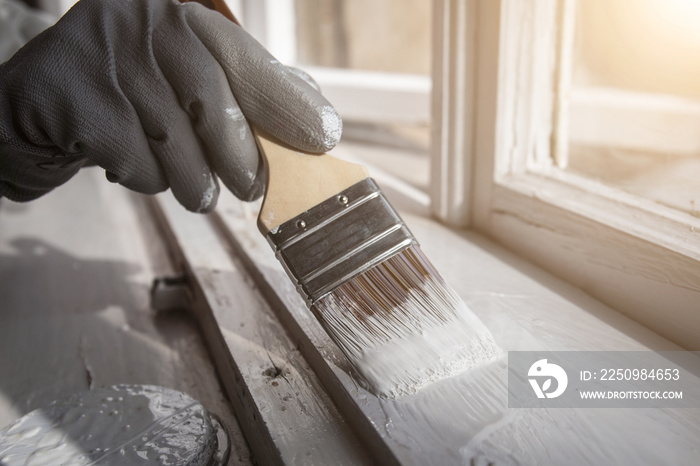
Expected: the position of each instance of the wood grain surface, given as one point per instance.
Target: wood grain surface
(284, 411)
(75, 270)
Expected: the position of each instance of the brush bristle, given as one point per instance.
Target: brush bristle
(401, 326)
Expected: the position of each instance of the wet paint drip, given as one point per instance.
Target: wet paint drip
(136, 425)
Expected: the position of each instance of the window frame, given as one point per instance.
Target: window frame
(498, 120)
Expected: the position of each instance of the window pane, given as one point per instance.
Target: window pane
(634, 108)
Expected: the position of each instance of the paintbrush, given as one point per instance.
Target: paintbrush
(362, 272)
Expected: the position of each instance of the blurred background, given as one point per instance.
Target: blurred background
(635, 98)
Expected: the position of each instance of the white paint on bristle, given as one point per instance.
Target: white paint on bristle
(402, 327)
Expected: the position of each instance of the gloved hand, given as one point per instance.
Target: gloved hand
(157, 93)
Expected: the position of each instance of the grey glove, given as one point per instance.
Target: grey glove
(157, 93)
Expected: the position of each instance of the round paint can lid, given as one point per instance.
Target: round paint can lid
(125, 424)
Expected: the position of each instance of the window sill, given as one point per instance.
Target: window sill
(630, 253)
(251, 315)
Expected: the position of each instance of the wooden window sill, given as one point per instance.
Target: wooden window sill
(260, 332)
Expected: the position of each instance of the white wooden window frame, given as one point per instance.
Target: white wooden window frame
(497, 67)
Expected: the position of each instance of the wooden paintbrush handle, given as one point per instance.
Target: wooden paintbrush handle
(298, 181)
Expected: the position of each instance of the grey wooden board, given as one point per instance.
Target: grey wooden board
(285, 413)
(75, 271)
(465, 420)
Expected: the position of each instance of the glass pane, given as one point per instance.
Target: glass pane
(634, 113)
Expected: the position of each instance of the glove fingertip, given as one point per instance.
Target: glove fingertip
(255, 192)
(332, 125)
(209, 198)
(245, 185)
(199, 199)
(204, 205)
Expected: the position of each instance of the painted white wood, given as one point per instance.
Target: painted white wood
(358, 407)
(621, 249)
(465, 420)
(572, 227)
(284, 413)
(375, 96)
(564, 72)
(526, 85)
(487, 107)
(453, 113)
(608, 117)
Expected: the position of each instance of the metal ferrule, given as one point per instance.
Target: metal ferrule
(342, 237)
